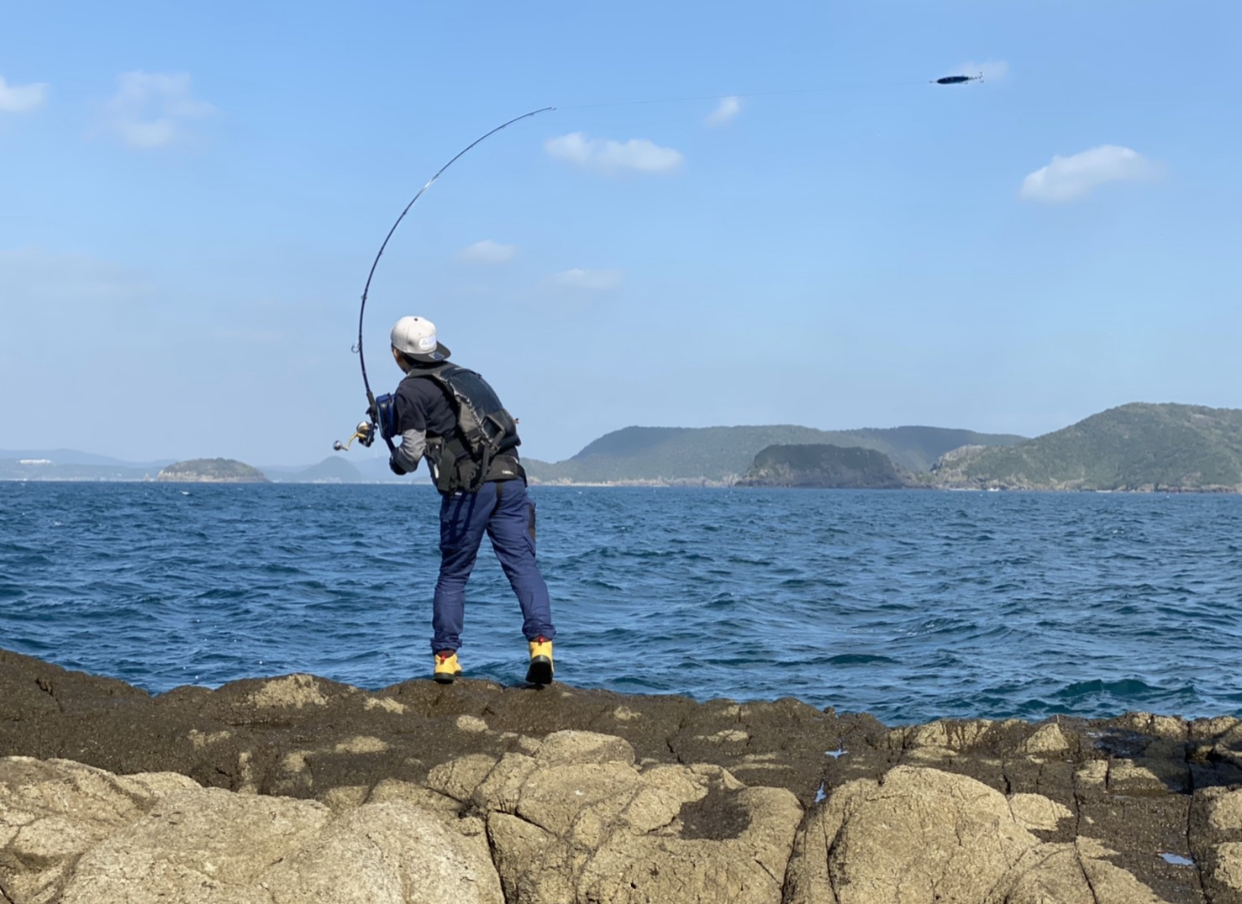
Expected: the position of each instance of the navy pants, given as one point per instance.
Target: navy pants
(503, 511)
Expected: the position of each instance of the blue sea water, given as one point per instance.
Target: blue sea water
(908, 605)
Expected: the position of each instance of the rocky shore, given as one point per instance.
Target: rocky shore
(295, 789)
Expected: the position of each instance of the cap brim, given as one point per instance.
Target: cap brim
(440, 354)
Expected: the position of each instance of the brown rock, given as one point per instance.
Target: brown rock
(72, 834)
(922, 835)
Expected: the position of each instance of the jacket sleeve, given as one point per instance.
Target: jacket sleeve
(410, 452)
(412, 425)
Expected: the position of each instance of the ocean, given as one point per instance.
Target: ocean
(910, 605)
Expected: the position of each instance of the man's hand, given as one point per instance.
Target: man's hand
(394, 467)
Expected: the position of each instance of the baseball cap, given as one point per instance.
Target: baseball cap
(416, 337)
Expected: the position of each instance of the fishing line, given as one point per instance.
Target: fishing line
(702, 97)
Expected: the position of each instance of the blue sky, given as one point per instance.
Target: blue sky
(737, 214)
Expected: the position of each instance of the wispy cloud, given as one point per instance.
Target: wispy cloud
(487, 252)
(589, 280)
(151, 109)
(21, 98)
(36, 275)
(87, 301)
(991, 70)
(725, 110)
(255, 337)
(1069, 178)
(608, 157)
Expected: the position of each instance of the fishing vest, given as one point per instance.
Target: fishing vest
(477, 449)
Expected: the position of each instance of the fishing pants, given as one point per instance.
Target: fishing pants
(502, 510)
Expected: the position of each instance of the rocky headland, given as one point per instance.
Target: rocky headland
(295, 789)
(825, 467)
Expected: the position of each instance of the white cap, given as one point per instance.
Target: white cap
(416, 337)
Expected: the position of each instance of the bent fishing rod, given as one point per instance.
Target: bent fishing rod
(379, 409)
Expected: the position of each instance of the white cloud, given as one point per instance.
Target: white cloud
(21, 98)
(149, 109)
(725, 110)
(589, 280)
(991, 70)
(1067, 178)
(607, 157)
(487, 252)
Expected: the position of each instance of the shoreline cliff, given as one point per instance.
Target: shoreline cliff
(290, 788)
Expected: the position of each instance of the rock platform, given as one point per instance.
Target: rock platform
(295, 789)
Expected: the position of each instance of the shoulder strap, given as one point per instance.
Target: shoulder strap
(436, 373)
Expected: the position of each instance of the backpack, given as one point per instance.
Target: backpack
(484, 429)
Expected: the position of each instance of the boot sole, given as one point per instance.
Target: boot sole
(540, 671)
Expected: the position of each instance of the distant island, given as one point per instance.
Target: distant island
(68, 465)
(211, 470)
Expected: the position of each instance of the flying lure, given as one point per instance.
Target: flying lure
(379, 410)
(958, 79)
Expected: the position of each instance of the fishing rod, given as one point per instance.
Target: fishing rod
(365, 431)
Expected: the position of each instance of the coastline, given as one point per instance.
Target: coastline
(1146, 805)
(673, 483)
(704, 483)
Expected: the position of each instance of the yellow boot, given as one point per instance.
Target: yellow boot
(540, 671)
(447, 668)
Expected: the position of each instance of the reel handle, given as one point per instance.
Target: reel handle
(364, 433)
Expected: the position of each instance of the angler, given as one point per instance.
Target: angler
(452, 417)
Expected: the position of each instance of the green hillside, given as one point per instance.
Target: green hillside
(1133, 447)
(918, 448)
(724, 454)
(333, 469)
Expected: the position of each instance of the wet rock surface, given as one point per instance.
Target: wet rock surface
(294, 788)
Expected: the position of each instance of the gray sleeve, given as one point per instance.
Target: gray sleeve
(410, 452)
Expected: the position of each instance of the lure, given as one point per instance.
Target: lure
(958, 79)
